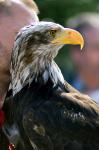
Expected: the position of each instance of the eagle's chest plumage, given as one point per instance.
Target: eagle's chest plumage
(37, 91)
(36, 102)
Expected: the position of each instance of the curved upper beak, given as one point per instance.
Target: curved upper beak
(69, 36)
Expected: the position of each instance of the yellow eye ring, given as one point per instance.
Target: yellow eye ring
(53, 33)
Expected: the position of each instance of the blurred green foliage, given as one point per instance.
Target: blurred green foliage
(60, 11)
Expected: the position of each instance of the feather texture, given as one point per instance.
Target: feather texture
(47, 112)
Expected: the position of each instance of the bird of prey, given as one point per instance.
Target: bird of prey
(46, 112)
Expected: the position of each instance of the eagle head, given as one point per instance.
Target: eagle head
(36, 46)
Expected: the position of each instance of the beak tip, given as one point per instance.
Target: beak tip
(81, 46)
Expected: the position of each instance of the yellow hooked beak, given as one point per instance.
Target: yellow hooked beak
(69, 36)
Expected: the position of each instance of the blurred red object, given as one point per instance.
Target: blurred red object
(11, 147)
(2, 117)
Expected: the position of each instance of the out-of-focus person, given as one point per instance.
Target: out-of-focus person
(86, 62)
(14, 14)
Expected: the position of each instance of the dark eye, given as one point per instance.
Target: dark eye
(53, 33)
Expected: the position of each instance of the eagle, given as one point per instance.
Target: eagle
(44, 111)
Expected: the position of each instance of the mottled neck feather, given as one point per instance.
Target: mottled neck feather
(37, 71)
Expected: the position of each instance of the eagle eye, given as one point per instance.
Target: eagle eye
(53, 33)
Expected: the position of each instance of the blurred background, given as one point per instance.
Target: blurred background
(60, 11)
